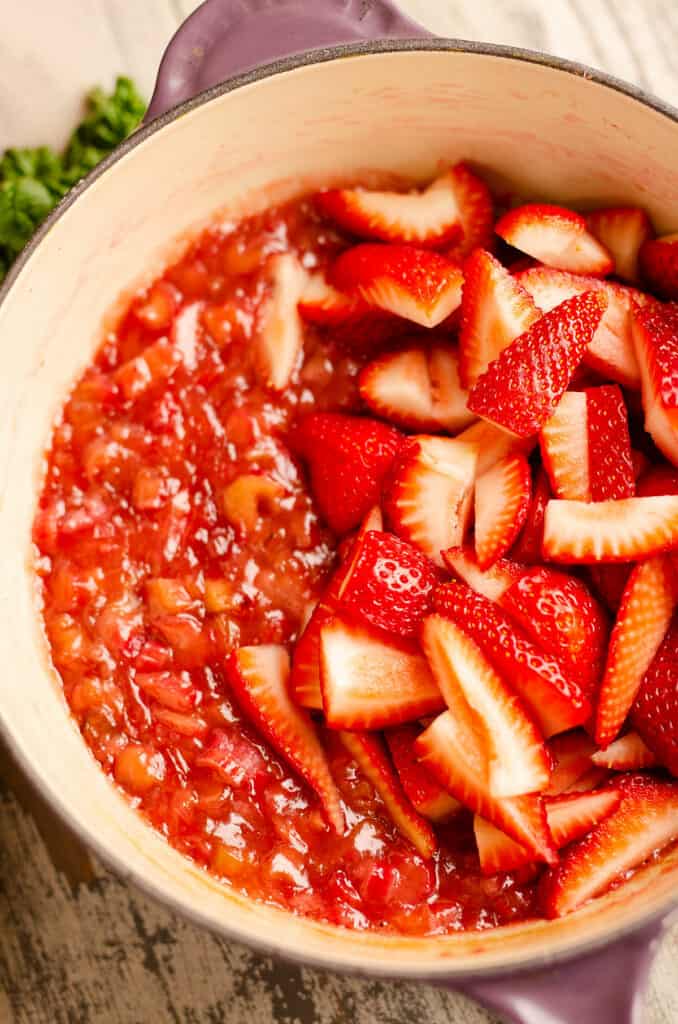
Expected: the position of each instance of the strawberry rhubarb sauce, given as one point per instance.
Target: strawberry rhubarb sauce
(355, 555)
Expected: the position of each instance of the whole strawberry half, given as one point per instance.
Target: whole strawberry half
(655, 711)
(389, 584)
(520, 389)
(560, 614)
(348, 458)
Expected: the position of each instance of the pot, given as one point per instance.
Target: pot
(235, 124)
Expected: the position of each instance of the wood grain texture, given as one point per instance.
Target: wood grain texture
(77, 946)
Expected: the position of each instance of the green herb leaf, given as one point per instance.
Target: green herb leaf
(32, 181)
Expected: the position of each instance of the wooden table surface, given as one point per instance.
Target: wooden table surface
(76, 945)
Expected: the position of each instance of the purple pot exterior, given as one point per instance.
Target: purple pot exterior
(222, 39)
(605, 987)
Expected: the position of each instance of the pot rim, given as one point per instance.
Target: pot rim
(446, 970)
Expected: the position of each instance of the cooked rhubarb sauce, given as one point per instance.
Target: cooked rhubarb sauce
(174, 526)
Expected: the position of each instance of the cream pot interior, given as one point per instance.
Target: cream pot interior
(547, 131)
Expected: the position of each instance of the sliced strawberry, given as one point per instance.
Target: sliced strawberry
(491, 583)
(428, 493)
(641, 625)
(559, 613)
(641, 464)
(388, 584)
(422, 790)
(610, 531)
(527, 549)
(655, 332)
(594, 778)
(611, 351)
(502, 499)
(279, 340)
(628, 753)
(427, 218)
(476, 210)
(355, 325)
(495, 309)
(609, 581)
(554, 700)
(521, 389)
(371, 756)
(661, 479)
(305, 674)
(658, 260)
(655, 710)
(565, 448)
(455, 758)
(571, 755)
(621, 230)
(348, 457)
(611, 473)
(556, 236)
(370, 683)
(259, 678)
(417, 388)
(569, 818)
(645, 821)
(518, 762)
(492, 444)
(324, 306)
(415, 284)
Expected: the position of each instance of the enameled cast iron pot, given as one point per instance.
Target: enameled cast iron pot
(236, 123)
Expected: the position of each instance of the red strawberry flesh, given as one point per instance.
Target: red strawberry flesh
(371, 683)
(348, 458)
(521, 388)
(389, 584)
(555, 700)
(259, 678)
(645, 821)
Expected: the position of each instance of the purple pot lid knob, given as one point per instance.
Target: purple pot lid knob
(226, 37)
(605, 987)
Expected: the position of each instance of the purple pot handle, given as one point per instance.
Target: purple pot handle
(226, 37)
(605, 987)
